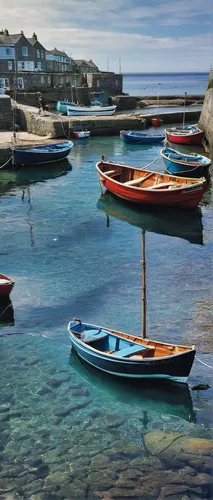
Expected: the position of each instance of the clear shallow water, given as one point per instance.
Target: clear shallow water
(149, 84)
(79, 429)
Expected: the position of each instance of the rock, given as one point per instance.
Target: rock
(163, 443)
(33, 488)
(123, 449)
(142, 104)
(178, 489)
(57, 381)
(4, 417)
(122, 493)
(15, 414)
(200, 387)
(80, 392)
(64, 411)
(4, 408)
(95, 413)
(33, 362)
(114, 421)
(131, 474)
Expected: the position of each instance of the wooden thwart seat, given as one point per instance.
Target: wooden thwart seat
(111, 173)
(134, 182)
(164, 185)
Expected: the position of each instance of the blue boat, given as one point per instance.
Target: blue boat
(61, 106)
(129, 356)
(140, 138)
(186, 165)
(41, 154)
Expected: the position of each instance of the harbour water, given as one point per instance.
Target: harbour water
(166, 84)
(67, 431)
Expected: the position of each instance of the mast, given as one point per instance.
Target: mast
(143, 262)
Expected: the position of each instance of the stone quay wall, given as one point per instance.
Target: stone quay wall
(6, 115)
(206, 120)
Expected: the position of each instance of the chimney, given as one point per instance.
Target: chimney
(6, 32)
(34, 36)
(22, 32)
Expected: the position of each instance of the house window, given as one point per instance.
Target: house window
(67, 79)
(10, 65)
(49, 79)
(65, 67)
(42, 79)
(25, 51)
(62, 67)
(61, 79)
(42, 54)
(4, 83)
(98, 83)
(20, 83)
(38, 54)
(8, 52)
(39, 66)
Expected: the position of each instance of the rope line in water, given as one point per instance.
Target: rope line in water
(150, 162)
(7, 162)
(205, 364)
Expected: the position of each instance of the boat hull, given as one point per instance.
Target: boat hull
(194, 139)
(93, 111)
(183, 170)
(81, 135)
(184, 198)
(175, 368)
(6, 285)
(143, 139)
(186, 165)
(39, 155)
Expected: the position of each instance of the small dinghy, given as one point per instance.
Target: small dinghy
(140, 138)
(81, 134)
(191, 165)
(146, 187)
(90, 110)
(125, 355)
(41, 154)
(189, 134)
(6, 285)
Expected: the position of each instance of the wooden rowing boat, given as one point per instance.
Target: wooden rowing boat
(148, 187)
(185, 135)
(124, 355)
(191, 165)
(6, 285)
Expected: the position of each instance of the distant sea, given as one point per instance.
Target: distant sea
(139, 84)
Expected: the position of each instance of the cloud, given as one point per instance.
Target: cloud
(117, 28)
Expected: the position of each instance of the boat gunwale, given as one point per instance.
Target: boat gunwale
(42, 149)
(197, 182)
(119, 358)
(185, 162)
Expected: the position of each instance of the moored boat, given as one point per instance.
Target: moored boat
(156, 121)
(125, 355)
(149, 187)
(137, 137)
(61, 106)
(90, 110)
(189, 134)
(6, 285)
(191, 165)
(81, 134)
(41, 154)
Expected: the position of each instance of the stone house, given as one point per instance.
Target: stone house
(58, 61)
(106, 82)
(16, 56)
(86, 66)
(39, 51)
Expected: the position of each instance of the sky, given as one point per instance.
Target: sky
(138, 35)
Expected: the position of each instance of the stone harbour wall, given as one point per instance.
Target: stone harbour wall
(6, 116)
(206, 120)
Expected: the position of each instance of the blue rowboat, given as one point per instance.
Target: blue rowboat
(61, 106)
(190, 165)
(124, 355)
(41, 154)
(140, 138)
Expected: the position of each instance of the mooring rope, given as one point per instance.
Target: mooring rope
(205, 364)
(147, 165)
(7, 162)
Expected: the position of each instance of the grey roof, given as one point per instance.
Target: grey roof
(90, 63)
(9, 39)
(57, 52)
(33, 41)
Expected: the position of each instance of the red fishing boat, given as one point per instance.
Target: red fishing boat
(156, 121)
(6, 285)
(185, 135)
(150, 188)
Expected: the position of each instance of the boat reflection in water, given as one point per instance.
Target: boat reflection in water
(32, 174)
(147, 395)
(6, 312)
(186, 224)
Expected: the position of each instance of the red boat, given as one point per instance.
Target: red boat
(185, 135)
(156, 122)
(6, 285)
(150, 188)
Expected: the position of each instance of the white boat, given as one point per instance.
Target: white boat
(81, 134)
(90, 110)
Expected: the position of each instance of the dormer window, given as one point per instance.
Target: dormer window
(38, 54)
(25, 51)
